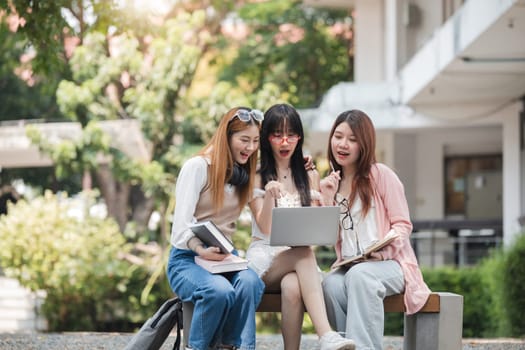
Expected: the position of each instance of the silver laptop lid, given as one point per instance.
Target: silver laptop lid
(300, 226)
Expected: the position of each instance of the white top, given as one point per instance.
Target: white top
(195, 204)
(364, 232)
(191, 180)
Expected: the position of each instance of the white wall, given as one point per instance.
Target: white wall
(512, 173)
(405, 166)
(431, 148)
(369, 46)
(416, 35)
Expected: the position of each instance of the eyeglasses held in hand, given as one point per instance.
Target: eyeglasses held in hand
(346, 221)
(279, 139)
(245, 115)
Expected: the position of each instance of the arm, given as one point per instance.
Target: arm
(190, 182)
(262, 206)
(328, 187)
(314, 180)
(395, 214)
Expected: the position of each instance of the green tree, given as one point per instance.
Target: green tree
(304, 51)
(142, 75)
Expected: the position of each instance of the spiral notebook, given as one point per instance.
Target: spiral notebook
(303, 226)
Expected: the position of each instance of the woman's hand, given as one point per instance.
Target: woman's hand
(210, 253)
(374, 256)
(329, 186)
(309, 163)
(274, 189)
(332, 267)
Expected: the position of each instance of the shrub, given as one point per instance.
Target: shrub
(491, 276)
(74, 258)
(513, 273)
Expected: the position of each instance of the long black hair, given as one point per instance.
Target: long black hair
(277, 118)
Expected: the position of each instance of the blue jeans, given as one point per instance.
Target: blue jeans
(225, 304)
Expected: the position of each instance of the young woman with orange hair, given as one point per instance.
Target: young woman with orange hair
(215, 185)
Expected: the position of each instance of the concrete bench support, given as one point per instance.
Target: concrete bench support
(437, 326)
(436, 330)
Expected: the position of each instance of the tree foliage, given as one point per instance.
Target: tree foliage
(303, 51)
(23, 95)
(125, 66)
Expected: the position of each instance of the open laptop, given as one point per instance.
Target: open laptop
(301, 226)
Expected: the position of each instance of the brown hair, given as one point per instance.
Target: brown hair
(222, 163)
(364, 132)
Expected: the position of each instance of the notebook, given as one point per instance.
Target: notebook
(302, 226)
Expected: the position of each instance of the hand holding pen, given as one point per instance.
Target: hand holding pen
(329, 185)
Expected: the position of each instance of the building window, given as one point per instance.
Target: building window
(465, 173)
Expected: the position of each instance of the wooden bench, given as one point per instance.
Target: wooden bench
(437, 326)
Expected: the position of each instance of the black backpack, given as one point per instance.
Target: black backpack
(156, 330)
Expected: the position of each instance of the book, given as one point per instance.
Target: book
(210, 234)
(230, 263)
(372, 248)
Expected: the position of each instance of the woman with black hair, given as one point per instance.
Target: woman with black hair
(283, 181)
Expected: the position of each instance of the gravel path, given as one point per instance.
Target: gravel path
(115, 341)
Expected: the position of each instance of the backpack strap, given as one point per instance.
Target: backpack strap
(178, 313)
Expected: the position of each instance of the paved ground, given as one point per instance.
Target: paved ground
(115, 341)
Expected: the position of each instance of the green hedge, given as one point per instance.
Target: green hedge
(492, 294)
(78, 260)
(513, 284)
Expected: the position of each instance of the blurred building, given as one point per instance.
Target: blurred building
(444, 82)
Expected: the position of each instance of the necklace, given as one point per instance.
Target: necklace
(287, 174)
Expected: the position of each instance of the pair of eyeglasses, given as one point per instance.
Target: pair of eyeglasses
(245, 115)
(346, 220)
(279, 139)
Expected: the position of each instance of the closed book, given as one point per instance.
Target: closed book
(230, 263)
(372, 248)
(210, 234)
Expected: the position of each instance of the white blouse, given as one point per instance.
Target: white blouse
(363, 233)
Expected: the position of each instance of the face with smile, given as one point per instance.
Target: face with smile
(344, 146)
(244, 143)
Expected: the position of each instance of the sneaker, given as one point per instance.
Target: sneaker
(334, 341)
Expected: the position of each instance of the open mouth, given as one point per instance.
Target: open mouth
(244, 156)
(284, 152)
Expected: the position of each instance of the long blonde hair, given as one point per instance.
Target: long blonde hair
(222, 163)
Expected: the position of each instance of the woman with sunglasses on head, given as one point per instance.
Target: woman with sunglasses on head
(283, 181)
(373, 204)
(215, 185)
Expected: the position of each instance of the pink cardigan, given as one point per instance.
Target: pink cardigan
(392, 214)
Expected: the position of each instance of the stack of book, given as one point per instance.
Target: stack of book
(230, 263)
(212, 236)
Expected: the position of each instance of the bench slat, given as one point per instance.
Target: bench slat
(271, 302)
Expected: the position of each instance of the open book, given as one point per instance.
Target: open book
(212, 236)
(230, 263)
(372, 248)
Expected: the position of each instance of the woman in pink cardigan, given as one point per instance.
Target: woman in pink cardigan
(373, 204)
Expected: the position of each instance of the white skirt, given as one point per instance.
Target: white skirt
(261, 254)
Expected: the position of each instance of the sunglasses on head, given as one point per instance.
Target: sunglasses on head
(245, 115)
